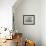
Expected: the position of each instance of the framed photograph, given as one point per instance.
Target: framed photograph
(29, 19)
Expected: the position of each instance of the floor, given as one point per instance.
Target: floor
(9, 43)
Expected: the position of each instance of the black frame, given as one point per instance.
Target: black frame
(28, 16)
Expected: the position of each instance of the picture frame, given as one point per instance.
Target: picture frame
(29, 19)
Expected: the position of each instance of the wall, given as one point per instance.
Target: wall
(28, 7)
(43, 22)
(6, 13)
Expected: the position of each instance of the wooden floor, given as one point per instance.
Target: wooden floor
(9, 43)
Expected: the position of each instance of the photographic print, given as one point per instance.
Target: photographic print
(29, 19)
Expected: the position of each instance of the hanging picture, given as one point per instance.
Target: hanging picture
(29, 19)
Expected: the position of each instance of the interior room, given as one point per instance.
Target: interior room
(22, 23)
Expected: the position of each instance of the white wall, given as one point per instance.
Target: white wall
(6, 13)
(43, 22)
(29, 7)
(36, 32)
